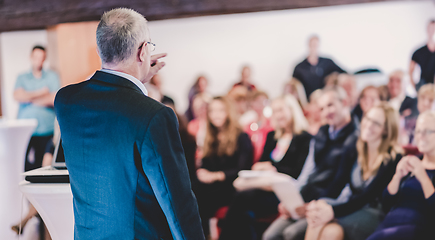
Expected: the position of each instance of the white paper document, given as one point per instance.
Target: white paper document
(286, 190)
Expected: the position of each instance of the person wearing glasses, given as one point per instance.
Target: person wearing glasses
(357, 212)
(410, 194)
(126, 163)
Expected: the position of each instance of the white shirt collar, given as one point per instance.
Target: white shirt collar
(138, 83)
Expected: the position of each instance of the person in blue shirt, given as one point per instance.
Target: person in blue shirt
(35, 91)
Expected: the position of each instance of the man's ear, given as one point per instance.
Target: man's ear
(142, 53)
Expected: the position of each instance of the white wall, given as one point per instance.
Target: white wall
(355, 36)
(15, 58)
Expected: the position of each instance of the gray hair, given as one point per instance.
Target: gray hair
(338, 91)
(119, 34)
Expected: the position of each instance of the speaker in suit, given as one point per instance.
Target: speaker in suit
(127, 168)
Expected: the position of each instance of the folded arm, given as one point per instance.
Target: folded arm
(41, 97)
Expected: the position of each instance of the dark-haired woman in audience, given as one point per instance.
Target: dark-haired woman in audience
(199, 87)
(357, 211)
(410, 194)
(227, 150)
(285, 152)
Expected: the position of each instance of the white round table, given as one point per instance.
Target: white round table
(54, 203)
(14, 138)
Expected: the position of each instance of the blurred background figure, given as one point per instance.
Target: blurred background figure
(425, 58)
(156, 81)
(285, 152)
(409, 197)
(245, 79)
(346, 82)
(153, 92)
(35, 91)
(197, 127)
(294, 87)
(397, 97)
(239, 96)
(312, 113)
(425, 102)
(199, 87)
(369, 97)
(260, 126)
(355, 214)
(312, 71)
(227, 150)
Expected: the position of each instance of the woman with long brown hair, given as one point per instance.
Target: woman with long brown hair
(227, 150)
(358, 212)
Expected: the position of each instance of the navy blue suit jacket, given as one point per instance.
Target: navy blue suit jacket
(127, 168)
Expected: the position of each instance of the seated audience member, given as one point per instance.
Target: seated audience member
(260, 126)
(327, 147)
(384, 93)
(239, 97)
(295, 88)
(245, 79)
(347, 82)
(312, 113)
(369, 97)
(405, 105)
(425, 101)
(197, 127)
(358, 212)
(200, 87)
(227, 150)
(285, 151)
(410, 194)
(156, 81)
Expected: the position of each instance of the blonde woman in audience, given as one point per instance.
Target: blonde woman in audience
(425, 102)
(355, 214)
(285, 151)
(227, 150)
(260, 126)
(410, 194)
(312, 113)
(197, 127)
(369, 97)
(239, 96)
(295, 88)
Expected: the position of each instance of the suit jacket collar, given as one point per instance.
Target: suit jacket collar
(115, 80)
(351, 127)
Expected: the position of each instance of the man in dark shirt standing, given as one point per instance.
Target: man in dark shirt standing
(312, 71)
(425, 58)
